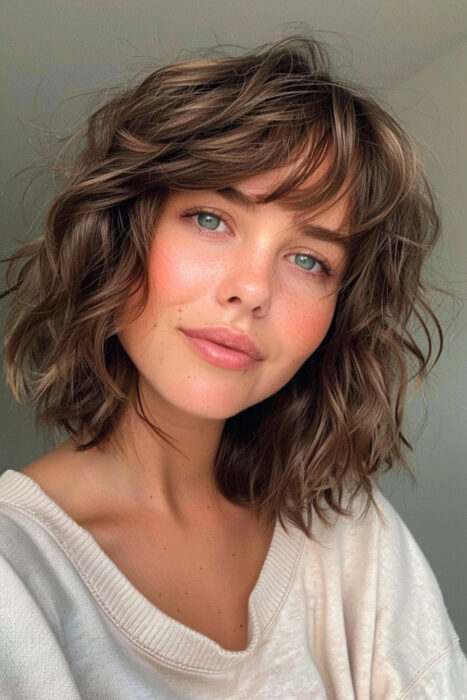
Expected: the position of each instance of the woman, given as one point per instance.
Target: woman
(218, 316)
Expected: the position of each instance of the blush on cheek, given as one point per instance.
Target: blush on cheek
(310, 326)
(181, 273)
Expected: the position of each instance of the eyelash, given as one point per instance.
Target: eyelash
(195, 211)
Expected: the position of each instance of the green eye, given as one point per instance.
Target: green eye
(207, 220)
(308, 262)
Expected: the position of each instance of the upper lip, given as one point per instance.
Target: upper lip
(227, 337)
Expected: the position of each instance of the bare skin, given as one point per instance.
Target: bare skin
(181, 568)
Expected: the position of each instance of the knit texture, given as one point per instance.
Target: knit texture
(355, 614)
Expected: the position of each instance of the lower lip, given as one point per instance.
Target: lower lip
(219, 355)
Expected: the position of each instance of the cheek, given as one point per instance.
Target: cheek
(177, 275)
(298, 333)
(308, 325)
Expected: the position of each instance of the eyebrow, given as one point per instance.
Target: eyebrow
(237, 197)
(310, 230)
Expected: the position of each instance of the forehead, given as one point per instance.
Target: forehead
(268, 181)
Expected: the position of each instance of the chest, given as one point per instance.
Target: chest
(203, 580)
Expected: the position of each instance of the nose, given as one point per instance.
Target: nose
(248, 282)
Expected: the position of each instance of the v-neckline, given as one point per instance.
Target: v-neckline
(136, 617)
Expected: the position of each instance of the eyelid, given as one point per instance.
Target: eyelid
(192, 211)
(196, 209)
(324, 262)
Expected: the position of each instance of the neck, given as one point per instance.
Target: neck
(173, 476)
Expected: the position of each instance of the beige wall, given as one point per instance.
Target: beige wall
(432, 105)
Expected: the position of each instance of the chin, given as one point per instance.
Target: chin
(217, 411)
(191, 399)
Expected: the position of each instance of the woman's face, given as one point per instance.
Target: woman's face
(216, 262)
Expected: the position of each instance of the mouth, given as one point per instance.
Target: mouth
(241, 342)
(219, 354)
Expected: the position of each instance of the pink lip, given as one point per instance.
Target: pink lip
(225, 336)
(223, 347)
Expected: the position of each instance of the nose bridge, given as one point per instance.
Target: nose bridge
(249, 275)
(256, 259)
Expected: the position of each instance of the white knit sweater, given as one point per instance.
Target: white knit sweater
(356, 614)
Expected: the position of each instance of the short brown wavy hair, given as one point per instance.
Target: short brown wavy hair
(202, 123)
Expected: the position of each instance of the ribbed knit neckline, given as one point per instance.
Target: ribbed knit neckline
(159, 635)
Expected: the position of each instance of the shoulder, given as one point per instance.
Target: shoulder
(30, 620)
(69, 478)
(379, 560)
(373, 575)
(25, 538)
(53, 468)
(35, 539)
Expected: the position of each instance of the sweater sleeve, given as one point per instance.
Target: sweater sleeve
(415, 639)
(32, 664)
(443, 677)
(380, 626)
